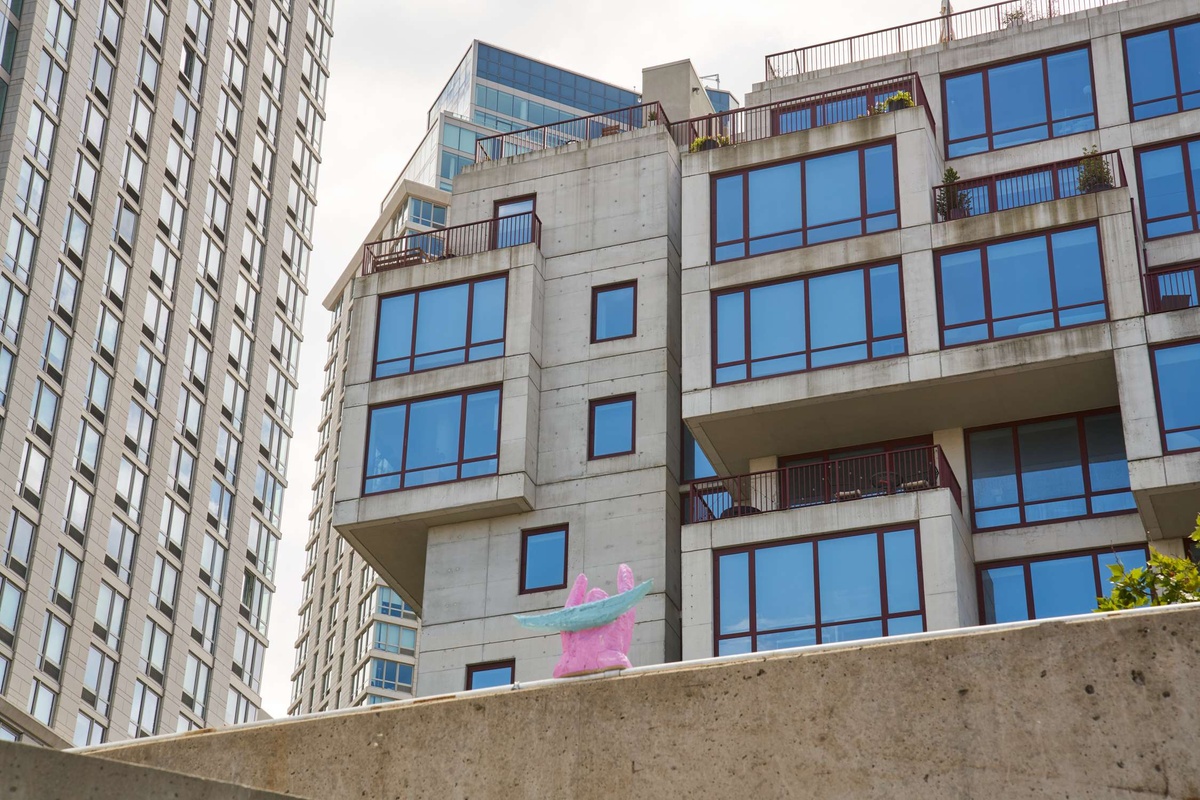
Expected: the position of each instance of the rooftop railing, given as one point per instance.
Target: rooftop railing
(802, 113)
(459, 240)
(579, 129)
(971, 197)
(895, 472)
(1172, 289)
(1009, 15)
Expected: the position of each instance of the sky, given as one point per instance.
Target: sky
(390, 59)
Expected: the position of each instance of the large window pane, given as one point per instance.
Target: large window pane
(1051, 586)
(612, 427)
(1177, 376)
(965, 114)
(777, 573)
(1168, 191)
(775, 204)
(544, 560)
(1164, 70)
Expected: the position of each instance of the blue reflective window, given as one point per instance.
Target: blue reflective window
(433, 440)
(614, 311)
(695, 464)
(486, 676)
(1019, 102)
(611, 428)
(1169, 177)
(799, 203)
(1177, 381)
(389, 603)
(552, 83)
(514, 222)
(440, 326)
(831, 589)
(1064, 468)
(1164, 71)
(1051, 586)
(391, 675)
(791, 326)
(1021, 286)
(544, 559)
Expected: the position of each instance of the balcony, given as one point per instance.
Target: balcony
(1172, 289)
(579, 129)
(801, 113)
(837, 481)
(444, 243)
(972, 197)
(926, 33)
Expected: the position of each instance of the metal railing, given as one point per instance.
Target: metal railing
(443, 243)
(971, 197)
(1172, 289)
(579, 129)
(801, 113)
(1009, 15)
(837, 481)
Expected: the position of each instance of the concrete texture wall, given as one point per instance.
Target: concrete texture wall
(1104, 706)
(35, 773)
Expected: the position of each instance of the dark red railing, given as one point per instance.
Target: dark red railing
(800, 113)
(971, 197)
(838, 481)
(460, 240)
(1172, 289)
(1009, 15)
(579, 129)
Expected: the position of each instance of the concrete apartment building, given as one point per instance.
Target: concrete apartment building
(358, 640)
(766, 358)
(160, 166)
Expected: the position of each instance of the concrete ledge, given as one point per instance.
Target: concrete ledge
(1096, 706)
(28, 772)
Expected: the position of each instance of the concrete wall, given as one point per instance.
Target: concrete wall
(35, 773)
(1098, 706)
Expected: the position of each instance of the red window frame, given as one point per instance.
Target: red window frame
(485, 666)
(804, 228)
(1193, 212)
(1088, 494)
(1162, 424)
(528, 533)
(989, 320)
(753, 633)
(416, 292)
(606, 401)
(1178, 96)
(464, 394)
(497, 220)
(989, 129)
(610, 287)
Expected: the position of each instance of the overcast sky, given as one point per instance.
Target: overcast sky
(390, 60)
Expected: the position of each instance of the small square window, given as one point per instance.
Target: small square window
(493, 673)
(544, 559)
(611, 427)
(614, 311)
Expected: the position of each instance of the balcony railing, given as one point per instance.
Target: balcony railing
(579, 129)
(971, 197)
(838, 481)
(1009, 15)
(799, 113)
(460, 240)
(1172, 289)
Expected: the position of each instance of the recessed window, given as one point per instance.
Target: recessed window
(544, 559)
(1018, 102)
(1164, 71)
(832, 589)
(611, 427)
(614, 311)
(433, 440)
(1021, 286)
(1062, 468)
(799, 203)
(797, 325)
(1168, 187)
(514, 221)
(493, 673)
(440, 326)
(1051, 586)
(1177, 381)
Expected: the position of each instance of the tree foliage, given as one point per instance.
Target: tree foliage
(1164, 580)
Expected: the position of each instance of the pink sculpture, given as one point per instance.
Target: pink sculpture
(596, 629)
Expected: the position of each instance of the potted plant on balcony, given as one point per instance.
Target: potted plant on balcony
(708, 143)
(1015, 17)
(1094, 173)
(652, 115)
(952, 202)
(898, 100)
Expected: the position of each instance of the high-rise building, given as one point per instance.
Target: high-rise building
(358, 639)
(159, 171)
(908, 343)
